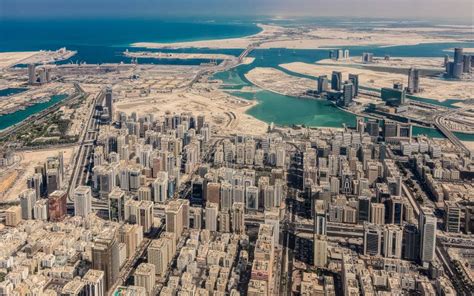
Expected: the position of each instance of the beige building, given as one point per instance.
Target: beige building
(145, 277)
(13, 216)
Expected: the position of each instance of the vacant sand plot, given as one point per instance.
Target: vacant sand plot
(437, 89)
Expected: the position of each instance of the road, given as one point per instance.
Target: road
(86, 145)
(450, 135)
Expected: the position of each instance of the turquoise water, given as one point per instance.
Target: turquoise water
(11, 91)
(18, 116)
(105, 40)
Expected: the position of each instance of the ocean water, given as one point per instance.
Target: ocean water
(104, 41)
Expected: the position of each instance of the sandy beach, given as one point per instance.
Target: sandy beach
(433, 88)
(243, 42)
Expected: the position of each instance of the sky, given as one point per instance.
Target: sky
(402, 9)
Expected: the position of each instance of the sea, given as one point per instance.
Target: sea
(104, 41)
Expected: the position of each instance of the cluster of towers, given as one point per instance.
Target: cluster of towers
(462, 63)
(44, 75)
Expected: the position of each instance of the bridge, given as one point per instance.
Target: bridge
(450, 135)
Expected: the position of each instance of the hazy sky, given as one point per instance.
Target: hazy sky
(462, 9)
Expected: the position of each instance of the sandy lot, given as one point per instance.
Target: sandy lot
(437, 89)
(8, 59)
(29, 159)
(274, 36)
(393, 62)
(225, 112)
(280, 82)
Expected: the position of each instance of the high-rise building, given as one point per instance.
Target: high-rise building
(109, 103)
(238, 218)
(174, 218)
(31, 74)
(411, 242)
(320, 245)
(336, 80)
(160, 187)
(13, 216)
(372, 239)
(364, 209)
(354, 79)
(57, 205)
(117, 205)
(469, 220)
(319, 218)
(413, 81)
(145, 277)
(27, 202)
(392, 241)
(272, 217)
(347, 94)
(427, 226)
(226, 196)
(82, 201)
(212, 210)
(94, 280)
(323, 83)
(377, 213)
(213, 192)
(251, 198)
(160, 254)
(105, 257)
(392, 96)
(452, 217)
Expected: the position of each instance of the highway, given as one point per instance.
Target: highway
(450, 135)
(86, 145)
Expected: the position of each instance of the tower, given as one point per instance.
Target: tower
(82, 201)
(413, 81)
(427, 226)
(109, 103)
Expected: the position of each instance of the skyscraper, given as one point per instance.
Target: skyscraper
(354, 78)
(347, 94)
(109, 103)
(105, 256)
(57, 205)
(322, 84)
(427, 226)
(452, 218)
(336, 80)
(31, 74)
(238, 218)
(392, 241)
(211, 216)
(27, 202)
(82, 201)
(364, 209)
(413, 81)
(372, 239)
